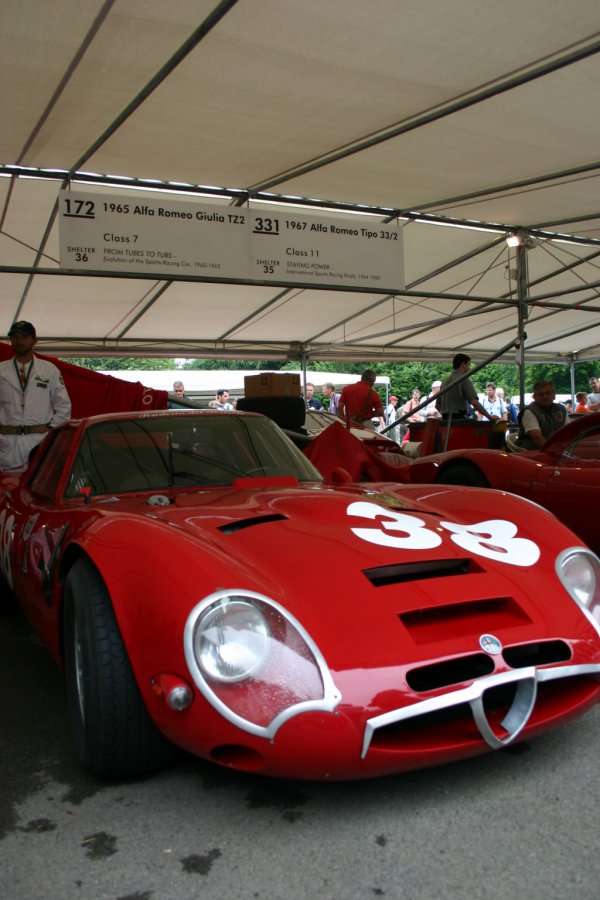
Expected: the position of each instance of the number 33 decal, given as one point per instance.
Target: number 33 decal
(494, 538)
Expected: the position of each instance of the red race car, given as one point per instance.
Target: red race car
(202, 587)
(564, 477)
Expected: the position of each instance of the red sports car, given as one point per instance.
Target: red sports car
(564, 477)
(202, 587)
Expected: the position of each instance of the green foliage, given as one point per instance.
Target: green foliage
(233, 364)
(120, 363)
(404, 376)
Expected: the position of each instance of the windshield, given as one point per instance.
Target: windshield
(183, 450)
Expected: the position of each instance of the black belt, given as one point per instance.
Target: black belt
(24, 429)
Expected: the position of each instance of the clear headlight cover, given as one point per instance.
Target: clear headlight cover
(231, 641)
(579, 571)
(254, 662)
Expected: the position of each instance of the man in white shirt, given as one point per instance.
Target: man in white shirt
(222, 401)
(431, 411)
(493, 404)
(33, 398)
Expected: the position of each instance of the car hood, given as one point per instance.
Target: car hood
(378, 574)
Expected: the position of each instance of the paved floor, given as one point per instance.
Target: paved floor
(511, 824)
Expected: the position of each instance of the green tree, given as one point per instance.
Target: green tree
(119, 363)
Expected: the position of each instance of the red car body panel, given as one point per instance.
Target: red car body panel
(564, 477)
(409, 581)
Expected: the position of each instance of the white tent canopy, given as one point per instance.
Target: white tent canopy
(472, 113)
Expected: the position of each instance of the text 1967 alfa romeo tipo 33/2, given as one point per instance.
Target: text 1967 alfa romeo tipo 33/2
(202, 587)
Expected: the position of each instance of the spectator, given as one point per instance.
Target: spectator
(391, 414)
(333, 397)
(541, 418)
(414, 401)
(33, 398)
(493, 404)
(582, 399)
(593, 402)
(222, 401)
(312, 402)
(456, 396)
(178, 389)
(512, 410)
(360, 403)
(431, 411)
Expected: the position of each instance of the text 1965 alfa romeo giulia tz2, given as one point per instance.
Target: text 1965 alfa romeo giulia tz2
(202, 587)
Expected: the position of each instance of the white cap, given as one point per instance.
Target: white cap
(436, 384)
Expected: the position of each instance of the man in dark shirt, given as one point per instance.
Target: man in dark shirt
(454, 399)
(541, 418)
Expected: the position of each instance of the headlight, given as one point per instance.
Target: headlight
(579, 572)
(231, 641)
(254, 662)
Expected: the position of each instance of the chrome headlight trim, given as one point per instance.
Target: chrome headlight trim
(327, 703)
(584, 553)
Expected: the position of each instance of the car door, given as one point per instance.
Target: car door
(570, 488)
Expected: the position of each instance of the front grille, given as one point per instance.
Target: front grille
(540, 653)
(452, 671)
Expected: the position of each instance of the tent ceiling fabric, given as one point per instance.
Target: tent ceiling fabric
(472, 111)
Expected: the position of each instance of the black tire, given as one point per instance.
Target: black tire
(113, 732)
(8, 601)
(463, 473)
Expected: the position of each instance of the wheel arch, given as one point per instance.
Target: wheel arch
(462, 464)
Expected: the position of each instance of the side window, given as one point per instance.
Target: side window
(47, 475)
(585, 448)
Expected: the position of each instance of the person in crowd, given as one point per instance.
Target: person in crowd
(457, 394)
(312, 402)
(512, 410)
(414, 401)
(593, 401)
(582, 400)
(493, 404)
(33, 398)
(541, 418)
(179, 389)
(431, 411)
(330, 393)
(360, 403)
(569, 406)
(391, 414)
(221, 401)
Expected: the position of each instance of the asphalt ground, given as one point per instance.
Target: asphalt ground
(519, 824)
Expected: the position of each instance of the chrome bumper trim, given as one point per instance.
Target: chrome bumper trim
(526, 681)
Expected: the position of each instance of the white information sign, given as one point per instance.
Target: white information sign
(326, 251)
(110, 233)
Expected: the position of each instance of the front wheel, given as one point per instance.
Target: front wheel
(114, 734)
(463, 474)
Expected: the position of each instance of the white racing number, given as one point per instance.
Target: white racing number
(494, 538)
(399, 529)
(6, 531)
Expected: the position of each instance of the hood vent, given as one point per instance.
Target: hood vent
(232, 527)
(416, 571)
(453, 621)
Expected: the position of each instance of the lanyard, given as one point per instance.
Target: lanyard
(23, 373)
